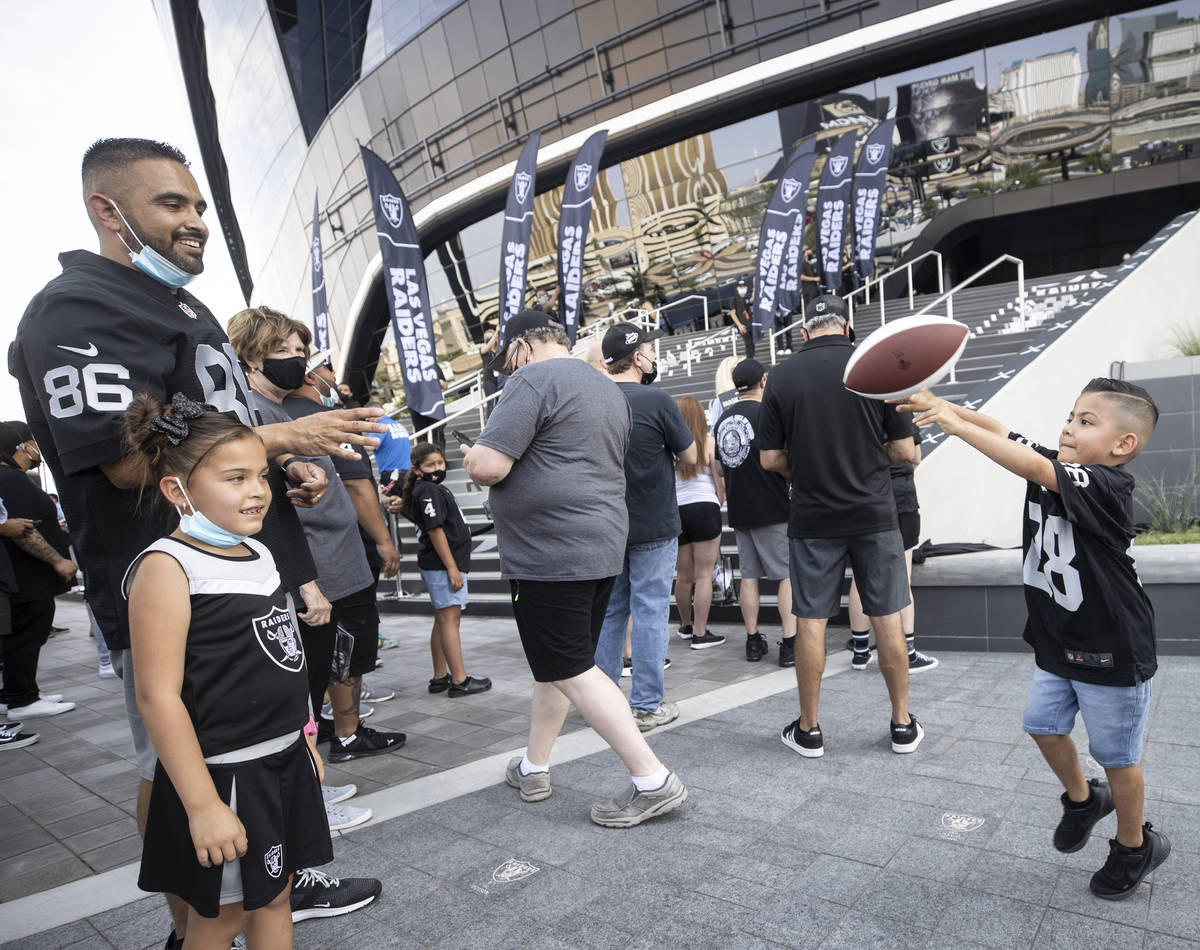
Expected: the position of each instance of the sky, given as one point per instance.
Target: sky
(74, 71)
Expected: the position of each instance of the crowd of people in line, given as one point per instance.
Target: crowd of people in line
(228, 523)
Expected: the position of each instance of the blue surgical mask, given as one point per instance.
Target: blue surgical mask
(199, 526)
(153, 264)
(330, 402)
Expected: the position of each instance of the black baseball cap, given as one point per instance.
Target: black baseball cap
(746, 374)
(826, 305)
(12, 434)
(517, 326)
(621, 339)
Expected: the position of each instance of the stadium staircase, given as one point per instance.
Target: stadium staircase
(991, 311)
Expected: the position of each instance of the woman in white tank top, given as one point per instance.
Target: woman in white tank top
(699, 492)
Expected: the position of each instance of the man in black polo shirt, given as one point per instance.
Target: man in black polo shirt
(758, 511)
(836, 447)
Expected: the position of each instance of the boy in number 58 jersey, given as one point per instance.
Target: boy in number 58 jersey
(1090, 623)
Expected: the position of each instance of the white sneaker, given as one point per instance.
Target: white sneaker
(48, 697)
(43, 707)
(364, 711)
(338, 793)
(106, 670)
(345, 816)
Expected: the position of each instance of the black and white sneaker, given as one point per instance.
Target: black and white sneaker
(809, 744)
(11, 737)
(684, 632)
(756, 647)
(702, 641)
(860, 661)
(787, 651)
(906, 737)
(1127, 867)
(362, 743)
(1078, 820)
(918, 661)
(315, 894)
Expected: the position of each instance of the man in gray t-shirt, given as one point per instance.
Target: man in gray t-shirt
(553, 452)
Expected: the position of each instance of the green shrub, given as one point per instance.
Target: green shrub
(1186, 341)
(1171, 508)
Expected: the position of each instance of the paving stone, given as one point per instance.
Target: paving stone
(857, 930)
(1071, 894)
(938, 860)
(77, 933)
(991, 920)
(1174, 911)
(1010, 876)
(1065, 931)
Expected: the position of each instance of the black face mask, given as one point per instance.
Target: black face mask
(648, 378)
(437, 476)
(285, 373)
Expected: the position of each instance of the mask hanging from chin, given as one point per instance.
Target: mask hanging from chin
(200, 527)
(153, 264)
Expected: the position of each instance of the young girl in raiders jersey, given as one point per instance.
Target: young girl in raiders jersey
(444, 559)
(236, 805)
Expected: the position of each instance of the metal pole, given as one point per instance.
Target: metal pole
(910, 287)
(1021, 291)
(771, 338)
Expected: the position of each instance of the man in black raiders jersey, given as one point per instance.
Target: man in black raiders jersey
(1090, 624)
(118, 323)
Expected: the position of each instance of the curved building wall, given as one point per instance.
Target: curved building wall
(701, 99)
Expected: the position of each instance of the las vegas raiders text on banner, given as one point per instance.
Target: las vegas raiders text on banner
(514, 238)
(833, 209)
(407, 293)
(870, 179)
(320, 311)
(573, 227)
(777, 273)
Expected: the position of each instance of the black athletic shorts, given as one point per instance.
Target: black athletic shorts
(278, 801)
(559, 624)
(910, 529)
(699, 521)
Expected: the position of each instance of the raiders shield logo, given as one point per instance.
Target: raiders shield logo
(875, 152)
(276, 635)
(838, 163)
(317, 253)
(953, 821)
(942, 165)
(273, 859)
(521, 186)
(513, 870)
(788, 189)
(941, 144)
(583, 175)
(733, 440)
(393, 209)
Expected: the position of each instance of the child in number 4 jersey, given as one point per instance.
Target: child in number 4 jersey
(1090, 623)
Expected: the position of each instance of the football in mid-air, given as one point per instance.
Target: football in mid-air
(905, 356)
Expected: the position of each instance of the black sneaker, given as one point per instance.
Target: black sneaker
(324, 730)
(787, 651)
(11, 737)
(906, 738)
(315, 894)
(702, 641)
(918, 662)
(1125, 867)
(470, 686)
(809, 744)
(365, 741)
(685, 632)
(1077, 823)
(756, 647)
(439, 684)
(860, 661)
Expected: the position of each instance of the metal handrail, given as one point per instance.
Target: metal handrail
(692, 343)
(879, 281)
(667, 306)
(772, 337)
(948, 296)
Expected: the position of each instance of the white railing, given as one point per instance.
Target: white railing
(708, 340)
(878, 282)
(675, 303)
(790, 328)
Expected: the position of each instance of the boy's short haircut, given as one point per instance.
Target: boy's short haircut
(1136, 407)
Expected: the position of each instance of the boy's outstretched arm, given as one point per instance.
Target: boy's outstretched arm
(981, 432)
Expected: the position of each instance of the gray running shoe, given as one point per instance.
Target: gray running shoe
(634, 807)
(648, 719)
(534, 787)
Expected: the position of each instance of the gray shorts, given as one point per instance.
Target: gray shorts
(819, 566)
(763, 551)
(143, 748)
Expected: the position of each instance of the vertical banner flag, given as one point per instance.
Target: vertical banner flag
(573, 222)
(514, 238)
(407, 293)
(777, 280)
(833, 209)
(870, 179)
(320, 311)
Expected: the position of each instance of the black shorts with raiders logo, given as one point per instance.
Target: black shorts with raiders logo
(278, 801)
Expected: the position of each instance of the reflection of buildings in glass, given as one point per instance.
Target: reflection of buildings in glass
(1045, 84)
(1098, 58)
(1156, 81)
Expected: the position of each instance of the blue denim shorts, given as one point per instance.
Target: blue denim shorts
(438, 585)
(1114, 716)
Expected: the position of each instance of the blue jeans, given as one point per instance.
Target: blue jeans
(643, 588)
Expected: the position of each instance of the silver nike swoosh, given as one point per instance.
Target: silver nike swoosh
(89, 350)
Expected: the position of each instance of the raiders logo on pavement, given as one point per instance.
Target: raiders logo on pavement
(277, 636)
